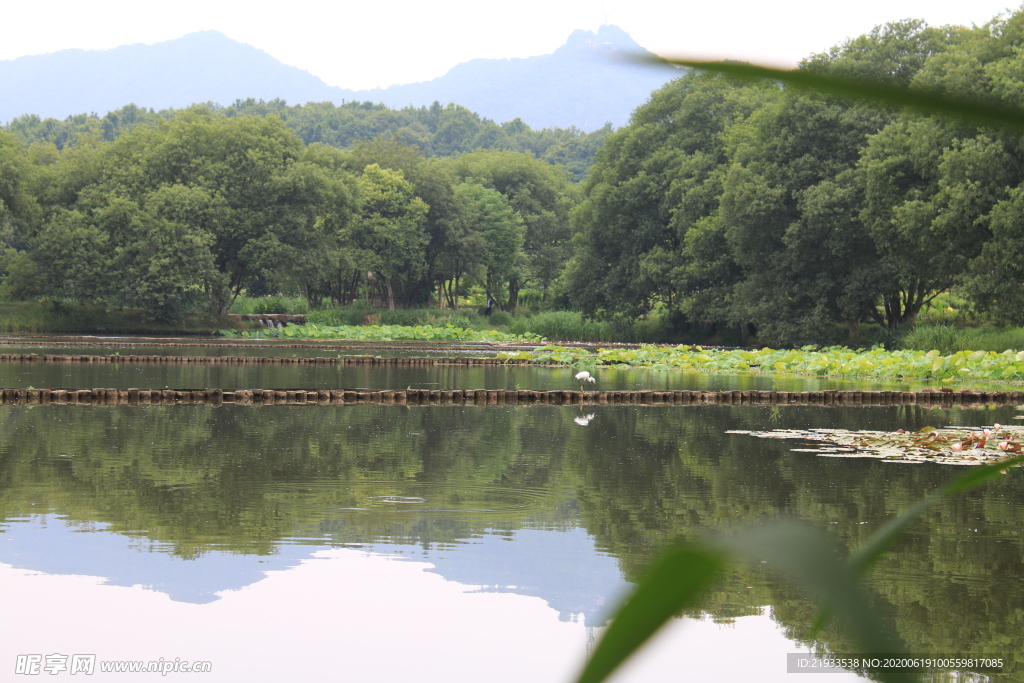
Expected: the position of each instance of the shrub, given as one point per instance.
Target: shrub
(563, 326)
(269, 304)
(500, 318)
(353, 314)
(948, 339)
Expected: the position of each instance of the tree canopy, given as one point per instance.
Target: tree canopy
(190, 211)
(793, 213)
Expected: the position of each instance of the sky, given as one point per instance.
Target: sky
(360, 45)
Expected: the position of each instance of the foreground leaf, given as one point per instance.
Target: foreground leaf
(963, 109)
(675, 583)
(814, 561)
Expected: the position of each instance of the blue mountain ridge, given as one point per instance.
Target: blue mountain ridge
(583, 83)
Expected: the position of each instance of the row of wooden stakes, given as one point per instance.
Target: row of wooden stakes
(492, 397)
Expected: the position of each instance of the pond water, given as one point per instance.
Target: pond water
(457, 543)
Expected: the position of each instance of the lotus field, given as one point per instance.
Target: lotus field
(838, 362)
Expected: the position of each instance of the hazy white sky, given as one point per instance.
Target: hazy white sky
(375, 44)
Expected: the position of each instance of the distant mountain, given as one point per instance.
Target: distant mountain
(580, 84)
(584, 83)
(199, 67)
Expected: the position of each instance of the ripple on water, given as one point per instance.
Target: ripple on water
(400, 500)
(413, 497)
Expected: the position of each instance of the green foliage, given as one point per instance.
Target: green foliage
(389, 229)
(500, 318)
(436, 130)
(563, 326)
(353, 314)
(654, 185)
(362, 313)
(189, 211)
(492, 223)
(269, 304)
(542, 195)
(191, 208)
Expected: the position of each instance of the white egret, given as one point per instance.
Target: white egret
(582, 377)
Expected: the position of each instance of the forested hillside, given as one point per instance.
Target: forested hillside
(744, 204)
(435, 130)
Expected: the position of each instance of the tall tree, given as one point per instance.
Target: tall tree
(500, 231)
(645, 235)
(542, 194)
(803, 271)
(390, 229)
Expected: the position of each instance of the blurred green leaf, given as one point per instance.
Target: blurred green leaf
(967, 110)
(675, 583)
(815, 561)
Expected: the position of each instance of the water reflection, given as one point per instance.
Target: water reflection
(56, 546)
(202, 504)
(346, 614)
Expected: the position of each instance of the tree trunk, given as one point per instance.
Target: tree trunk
(513, 293)
(852, 328)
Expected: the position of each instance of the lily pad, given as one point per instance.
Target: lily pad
(949, 446)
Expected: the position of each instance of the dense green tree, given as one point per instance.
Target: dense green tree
(19, 211)
(434, 184)
(542, 194)
(18, 206)
(940, 195)
(995, 279)
(389, 228)
(644, 234)
(500, 231)
(194, 208)
(791, 209)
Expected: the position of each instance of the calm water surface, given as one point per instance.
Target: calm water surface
(448, 543)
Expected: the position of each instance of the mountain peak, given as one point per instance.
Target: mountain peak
(607, 38)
